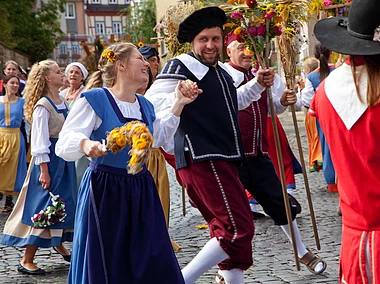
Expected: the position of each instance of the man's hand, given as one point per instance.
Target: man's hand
(288, 97)
(265, 77)
(187, 91)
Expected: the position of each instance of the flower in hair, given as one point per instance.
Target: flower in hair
(109, 55)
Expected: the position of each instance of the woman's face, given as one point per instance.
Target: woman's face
(75, 76)
(11, 87)
(10, 69)
(55, 76)
(138, 68)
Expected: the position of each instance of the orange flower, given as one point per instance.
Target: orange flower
(140, 144)
(121, 141)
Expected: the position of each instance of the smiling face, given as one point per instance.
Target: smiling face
(236, 53)
(207, 45)
(10, 69)
(153, 65)
(138, 68)
(75, 76)
(11, 86)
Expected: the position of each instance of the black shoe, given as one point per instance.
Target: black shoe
(66, 257)
(294, 203)
(22, 269)
(257, 215)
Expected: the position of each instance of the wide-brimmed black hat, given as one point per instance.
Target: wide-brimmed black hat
(359, 34)
(201, 19)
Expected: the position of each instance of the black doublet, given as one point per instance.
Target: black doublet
(209, 126)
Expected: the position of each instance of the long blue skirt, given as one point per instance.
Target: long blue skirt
(120, 232)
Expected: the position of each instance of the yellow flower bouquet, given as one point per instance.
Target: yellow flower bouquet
(137, 135)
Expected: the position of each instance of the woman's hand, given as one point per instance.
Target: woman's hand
(44, 176)
(92, 149)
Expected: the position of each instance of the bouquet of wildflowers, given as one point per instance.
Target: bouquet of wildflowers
(53, 214)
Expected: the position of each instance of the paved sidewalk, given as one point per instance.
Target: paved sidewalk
(273, 256)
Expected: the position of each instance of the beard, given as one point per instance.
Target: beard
(208, 60)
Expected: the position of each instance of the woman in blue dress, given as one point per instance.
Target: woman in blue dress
(12, 143)
(120, 230)
(46, 111)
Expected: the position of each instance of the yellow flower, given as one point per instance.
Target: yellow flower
(248, 52)
(140, 44)
(121, 141)
(237, 31)
(229, 25)
(204, 226)
(134, 160)
(109, 55)
(140, 144)
(141, 129)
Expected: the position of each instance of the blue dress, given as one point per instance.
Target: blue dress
(12, 147)
(120, 231)
(19, 230)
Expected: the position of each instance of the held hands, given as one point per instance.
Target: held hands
(265, 77)
(187, 91)
(288, 97)
(92, 149)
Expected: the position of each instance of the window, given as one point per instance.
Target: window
(117, 28)
(100, 28)
(70, 11)
(95, 1)
(62, 48)
(75, 49)
(113, 1)
(127, 1)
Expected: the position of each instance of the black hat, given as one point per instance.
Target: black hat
(148, 51)
(359, 34)
(201, 19)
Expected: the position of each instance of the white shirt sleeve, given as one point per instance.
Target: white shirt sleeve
(278, 89)
(40, 138)
(307, 93)
(79, 124)
(164, 128)
(162, 93)
(249, 92)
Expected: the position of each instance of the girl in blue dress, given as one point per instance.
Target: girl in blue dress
(120, 230)
(46, 111)
(12, 143)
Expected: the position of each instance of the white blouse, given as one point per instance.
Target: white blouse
(40, 136)
(82, 121)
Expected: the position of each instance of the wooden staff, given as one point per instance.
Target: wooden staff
(183, 200)
(279, 154)
(305, 178)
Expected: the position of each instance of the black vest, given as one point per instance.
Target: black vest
(209, 126)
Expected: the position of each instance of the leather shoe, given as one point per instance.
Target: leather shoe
(38, 271)
(257, 215)
(66, 257)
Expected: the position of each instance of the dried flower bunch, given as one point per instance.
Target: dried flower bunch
(168, 27)
(137, 135)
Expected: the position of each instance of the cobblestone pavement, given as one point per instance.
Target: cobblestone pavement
(272, 252)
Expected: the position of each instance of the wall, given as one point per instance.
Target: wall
(9, 54)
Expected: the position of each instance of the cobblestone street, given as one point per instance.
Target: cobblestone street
(272, 252)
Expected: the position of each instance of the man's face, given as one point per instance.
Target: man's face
(207, 45)
(153, 65)
(237, 56)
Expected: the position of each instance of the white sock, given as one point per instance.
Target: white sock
(233, 276)
(290, 191)
(254, 208)
(301, 249)
(210, 255)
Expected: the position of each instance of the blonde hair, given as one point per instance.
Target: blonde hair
(311, 63)
(10, 62)
(107, 71)
(36, 86)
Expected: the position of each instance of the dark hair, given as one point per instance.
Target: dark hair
(372, 64)
(323, 55)
(5, 81)
(150, 82)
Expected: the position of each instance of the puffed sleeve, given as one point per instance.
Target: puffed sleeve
(80, 123)
(40, 135)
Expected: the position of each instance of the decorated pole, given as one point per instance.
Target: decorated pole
(286, 50)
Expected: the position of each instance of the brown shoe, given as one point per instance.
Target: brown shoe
(310, 260)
